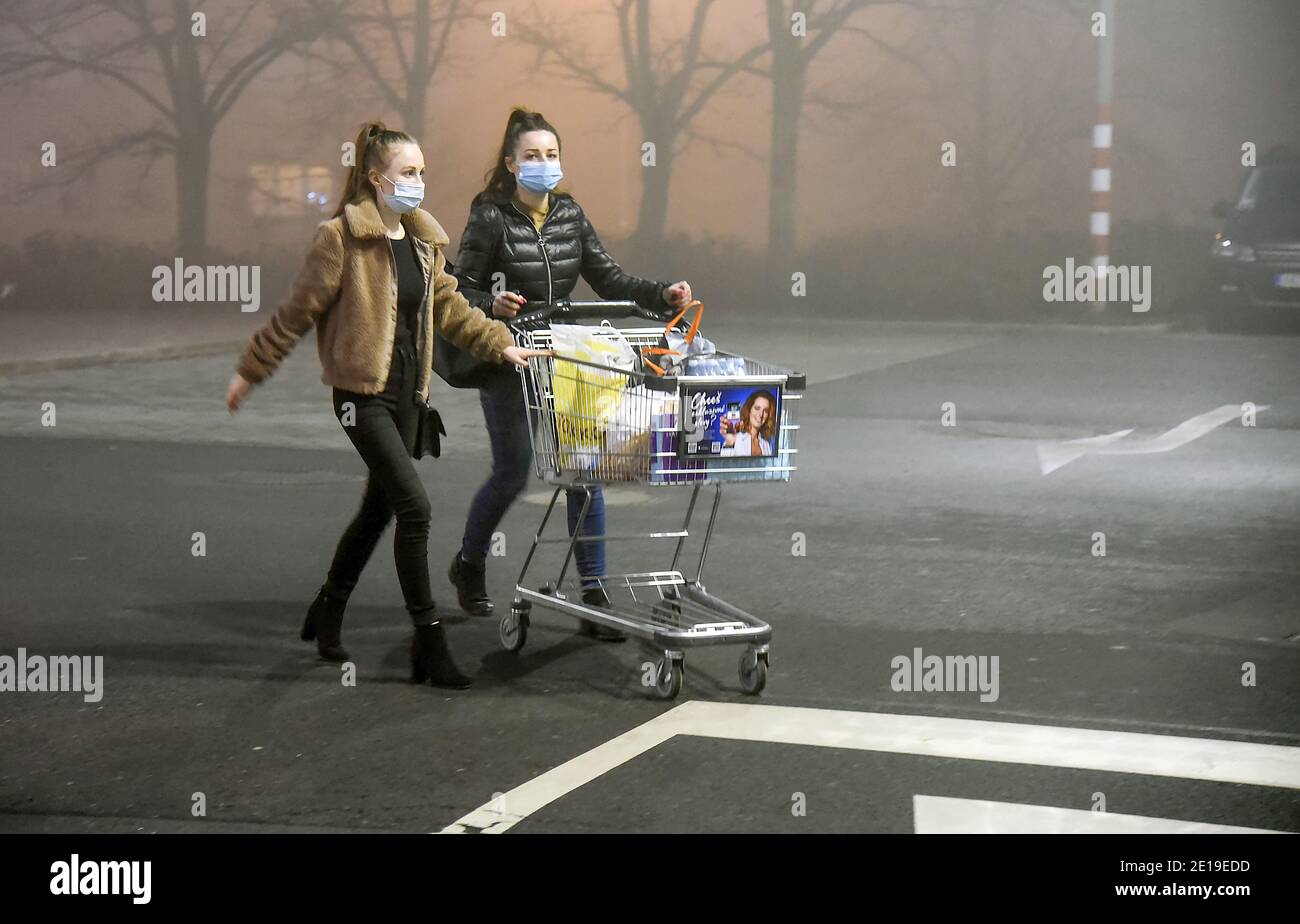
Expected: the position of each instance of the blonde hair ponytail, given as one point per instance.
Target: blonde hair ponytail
(373, 146)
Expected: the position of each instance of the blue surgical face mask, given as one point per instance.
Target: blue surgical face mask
(540, 176)
(406, 197)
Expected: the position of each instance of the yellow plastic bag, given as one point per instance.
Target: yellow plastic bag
(587, 398)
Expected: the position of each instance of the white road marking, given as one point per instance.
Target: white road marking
(1052, 456)
(944, 815)
(520, 802)
(1002, 742)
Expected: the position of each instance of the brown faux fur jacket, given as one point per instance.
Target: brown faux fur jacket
(347, 288)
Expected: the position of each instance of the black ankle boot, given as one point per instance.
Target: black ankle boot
(596, 596)
(324, 624)
(470, 582)
(431, 659)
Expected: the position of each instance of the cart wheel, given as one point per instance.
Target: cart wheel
(513, 629)
(753, 672)
(668, 677)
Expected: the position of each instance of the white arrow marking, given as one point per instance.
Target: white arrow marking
(1052, 456)
(945, 815)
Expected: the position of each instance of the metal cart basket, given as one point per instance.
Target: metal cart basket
(590, 425)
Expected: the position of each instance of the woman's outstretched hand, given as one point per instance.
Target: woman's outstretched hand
(237, 392)
(519, 356)
(679, 294)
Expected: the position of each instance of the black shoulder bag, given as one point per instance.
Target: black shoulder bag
(428, 432)
(459, 368)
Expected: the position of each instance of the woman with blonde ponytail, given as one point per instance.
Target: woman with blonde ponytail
(375, 288)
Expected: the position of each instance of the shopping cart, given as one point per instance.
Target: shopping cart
(649, 440)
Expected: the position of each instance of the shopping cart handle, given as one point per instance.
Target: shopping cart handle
(564, 310)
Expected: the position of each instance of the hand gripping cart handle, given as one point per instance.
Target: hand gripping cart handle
(591, 425)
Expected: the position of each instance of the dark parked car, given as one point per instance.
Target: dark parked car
(1256, 252)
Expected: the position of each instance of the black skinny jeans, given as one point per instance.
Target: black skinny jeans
(384, 435)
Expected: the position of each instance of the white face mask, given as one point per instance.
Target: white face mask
(406, 197)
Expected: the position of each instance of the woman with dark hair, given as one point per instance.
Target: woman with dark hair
(527, 241)
(374, 285)
(753, 434)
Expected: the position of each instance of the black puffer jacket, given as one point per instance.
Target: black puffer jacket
(542, 266)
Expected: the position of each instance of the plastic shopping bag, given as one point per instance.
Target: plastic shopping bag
(689, 352)
(669, 356)
(627, 422)
(628, 436)
(690, 349)
(587, 397)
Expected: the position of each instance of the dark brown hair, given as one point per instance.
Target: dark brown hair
(769, 425)
(499, 181)
(374, 146)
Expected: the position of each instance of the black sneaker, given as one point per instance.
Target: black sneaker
(596, 596)
(471, 586)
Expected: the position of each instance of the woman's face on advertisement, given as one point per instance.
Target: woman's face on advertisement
(539, 146)
(758, 413)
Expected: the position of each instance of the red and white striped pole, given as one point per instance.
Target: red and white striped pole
(1099, 217)
(1102, 136)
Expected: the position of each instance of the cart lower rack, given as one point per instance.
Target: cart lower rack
(591, 424)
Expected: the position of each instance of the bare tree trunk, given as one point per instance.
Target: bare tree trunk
(985, 199)
(194, 129)
(418, 86)
(652, 214)
(783, 168)
(984, 194)
(193, 166)
(792, 56)
(188, 97)
(666, 91)
(400, 49)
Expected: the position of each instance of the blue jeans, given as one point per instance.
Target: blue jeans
(512, 459)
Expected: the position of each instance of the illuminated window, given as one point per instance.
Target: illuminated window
(288, 190)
